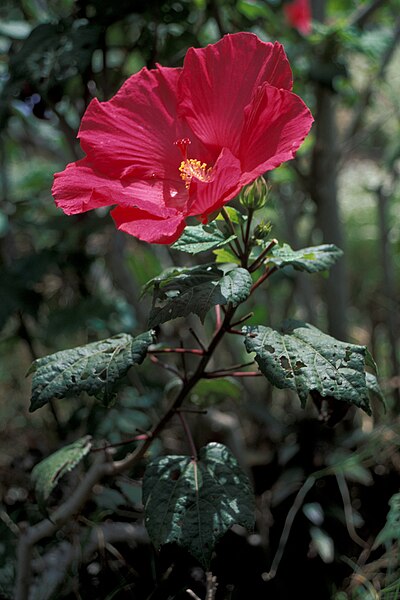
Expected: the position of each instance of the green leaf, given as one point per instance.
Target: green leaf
(303, 359)
(374, 388)
(208, 392)
(200, 238)
(234, 215)
(197, 289)
(95, 369)
(391, 531)
(225, 255)
(312, 260)
(194, 503)
(48, 472)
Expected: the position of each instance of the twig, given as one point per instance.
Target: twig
(188, 433)
(198, 340)
(102, 467)
(216, 375)
(46, 528)
(235, 332)
(192, 594)
(183, 361)
(137, 438)
(348, 511)
(217, 316)
(188, 409)
(176, 351)
(258, 261)
(243, 319)
(232, 368)
(166, 366)
(211, 586)
(261, 280)
(297, 504)
(363, 13)
(232, 230)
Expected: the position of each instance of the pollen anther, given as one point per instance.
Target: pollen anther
(192, 168)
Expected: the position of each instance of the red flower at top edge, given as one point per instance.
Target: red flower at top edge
(180, 142)
(298, 15)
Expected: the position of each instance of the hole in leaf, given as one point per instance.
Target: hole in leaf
(299, 365)
(270, 349)
(284, 363)
(175, 474)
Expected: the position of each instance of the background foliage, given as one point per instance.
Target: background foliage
(69, 281)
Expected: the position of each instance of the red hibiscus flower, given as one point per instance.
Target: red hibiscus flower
(298, 15)
(174, 143)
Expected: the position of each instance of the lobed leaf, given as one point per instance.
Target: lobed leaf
(312, 260)
(200, 238)
(303, 359)
(48, 472)
(194, 502)
(179, 292)
(95, 369)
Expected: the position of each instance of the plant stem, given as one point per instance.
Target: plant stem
(105, 466)
(243, 319)
(176, 351)
(218, 374)
(131, 459)
(189, 436)
(232, 230)
(259, 281)
(258, 261)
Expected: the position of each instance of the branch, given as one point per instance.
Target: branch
(218, 374)
(46, 528)
(176, 350)
(362, 14)
(366, 95)
(258, 262)
(261, 280)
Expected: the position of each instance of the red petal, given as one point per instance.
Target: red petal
(80, 188)
(220, 80)
(135, 131)
(148, 227)
(276, 124)
(224, 185)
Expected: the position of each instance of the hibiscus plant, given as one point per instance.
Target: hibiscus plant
(182, 154)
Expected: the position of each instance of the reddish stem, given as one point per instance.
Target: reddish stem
(262, 279)
(218, 316)
(258, 261)
(188, 434)
(176, 351)
(233, 374)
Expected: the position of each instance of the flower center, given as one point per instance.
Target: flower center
(191, 167)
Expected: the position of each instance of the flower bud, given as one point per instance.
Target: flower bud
(255, 195)
(262, 230)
